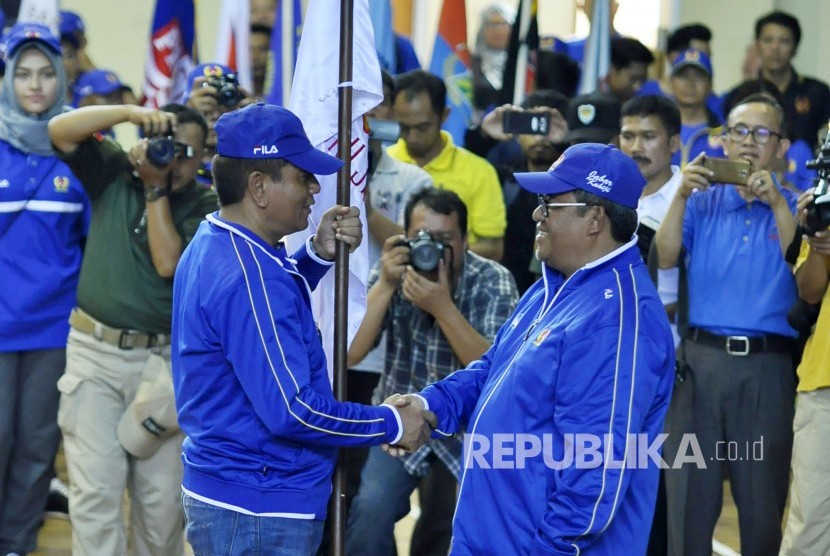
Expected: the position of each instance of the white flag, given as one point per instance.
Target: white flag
(41, 11)
(232, 39)
(597, 58)
(313, 99)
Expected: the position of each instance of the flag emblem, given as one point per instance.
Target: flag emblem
(586, 113)
(540, 337)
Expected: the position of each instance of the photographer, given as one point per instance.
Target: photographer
(146, 207)
(739, 382)
(807, 522)
(438, 318)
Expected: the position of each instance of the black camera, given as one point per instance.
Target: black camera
(425, 251)
(227, 89)
(163, 150)
(818, 211)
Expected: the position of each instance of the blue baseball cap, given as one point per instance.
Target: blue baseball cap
(97, 82)
(71, 23)
(208, 70)
(21, 33)
(602, 170)
(270, 131)
(694, 58)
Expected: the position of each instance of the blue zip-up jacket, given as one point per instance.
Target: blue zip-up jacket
(582, 360)
(249, 372)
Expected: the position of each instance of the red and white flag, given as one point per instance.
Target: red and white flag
(314, 95)
(171, 52)
(232, 39)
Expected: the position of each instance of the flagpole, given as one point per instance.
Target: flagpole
(341, 264)
(521, 60)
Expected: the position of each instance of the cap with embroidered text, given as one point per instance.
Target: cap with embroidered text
(270, 131)
(21, 33)
(694, 58)
(602, 170)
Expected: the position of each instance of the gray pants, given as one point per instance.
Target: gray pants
(100, 382)
(29, 439)
(740, 410)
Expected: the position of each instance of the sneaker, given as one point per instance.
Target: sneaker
(57, 505)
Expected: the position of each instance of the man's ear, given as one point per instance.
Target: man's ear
(597, 221)
(445, 115)
(256, 188)
(674, 143)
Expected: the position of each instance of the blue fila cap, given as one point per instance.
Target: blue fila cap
(602, 170)
(270, 131)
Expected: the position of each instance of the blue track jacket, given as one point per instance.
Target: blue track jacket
(249, 372)
(582, 360)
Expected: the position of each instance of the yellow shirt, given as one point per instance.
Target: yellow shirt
(473, 179)
(814, 370)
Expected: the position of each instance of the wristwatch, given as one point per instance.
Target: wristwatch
(154, 193)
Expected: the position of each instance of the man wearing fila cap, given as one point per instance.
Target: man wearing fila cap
(587, 352)
(249, 370)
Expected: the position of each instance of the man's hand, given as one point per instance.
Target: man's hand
(339, 223)
(493, 122)
(150, 175)
(203, 97)
(417, 423)
(153, 122)
(819, 243)
(430, 297)
(393, 260)
(762, 186)
(695, 176)
(802, 203)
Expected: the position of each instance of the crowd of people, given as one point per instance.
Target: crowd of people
(575, 331)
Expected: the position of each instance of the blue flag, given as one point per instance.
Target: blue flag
(285, 40)
(171, 52)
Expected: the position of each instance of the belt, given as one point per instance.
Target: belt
(123, 339)
(742, 345)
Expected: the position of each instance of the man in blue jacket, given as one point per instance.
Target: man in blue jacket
(249, 372)
(564, 412)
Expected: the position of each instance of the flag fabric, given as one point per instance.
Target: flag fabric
(381, 13)
(451, 62)
(171, 52)
(285, 41)
(232, 39)
(597, 57)
(41, 11)
(314, 99)
(520, 69)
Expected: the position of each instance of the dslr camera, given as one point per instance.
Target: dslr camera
(227, 89)
(163, 150)
(818, 211)
(425, 252)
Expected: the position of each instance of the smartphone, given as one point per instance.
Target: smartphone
(527, 123)
(387, 131)
(728, 171)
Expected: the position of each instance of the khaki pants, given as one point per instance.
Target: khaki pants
(100, 381)
(808, 522)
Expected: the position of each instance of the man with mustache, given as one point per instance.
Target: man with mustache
(739, 383)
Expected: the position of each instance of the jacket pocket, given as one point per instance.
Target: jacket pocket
(69, 387)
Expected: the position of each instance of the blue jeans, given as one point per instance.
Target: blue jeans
(215, 531)
(382, 500)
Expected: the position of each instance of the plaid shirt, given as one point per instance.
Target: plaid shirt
(418, 353)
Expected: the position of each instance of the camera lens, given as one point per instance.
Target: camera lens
(229, 96)
(161, 151)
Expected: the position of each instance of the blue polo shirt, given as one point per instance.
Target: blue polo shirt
(738, 281)
(44, 217)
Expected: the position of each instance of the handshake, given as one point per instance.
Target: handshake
(417, 422)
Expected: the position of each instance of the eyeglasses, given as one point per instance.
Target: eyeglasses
(544, 205)
(760, 135)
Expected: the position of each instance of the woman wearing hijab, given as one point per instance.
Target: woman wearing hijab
(490, 55)
(44, 215)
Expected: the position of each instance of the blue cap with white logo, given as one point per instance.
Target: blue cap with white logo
(22, 33)
(693, 58)
(602, 170)
(270, 131)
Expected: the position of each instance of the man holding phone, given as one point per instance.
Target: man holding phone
(738, 385)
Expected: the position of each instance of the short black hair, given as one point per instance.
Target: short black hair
(415, 82)
(779, 18)
(187, 115)
(557, 71)
(623, 219)
(769, 100)
(440, 201)
(261, 29)
(230, 175)
(548, 98)
(626, 51)
(681, 38)
(654, 105)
